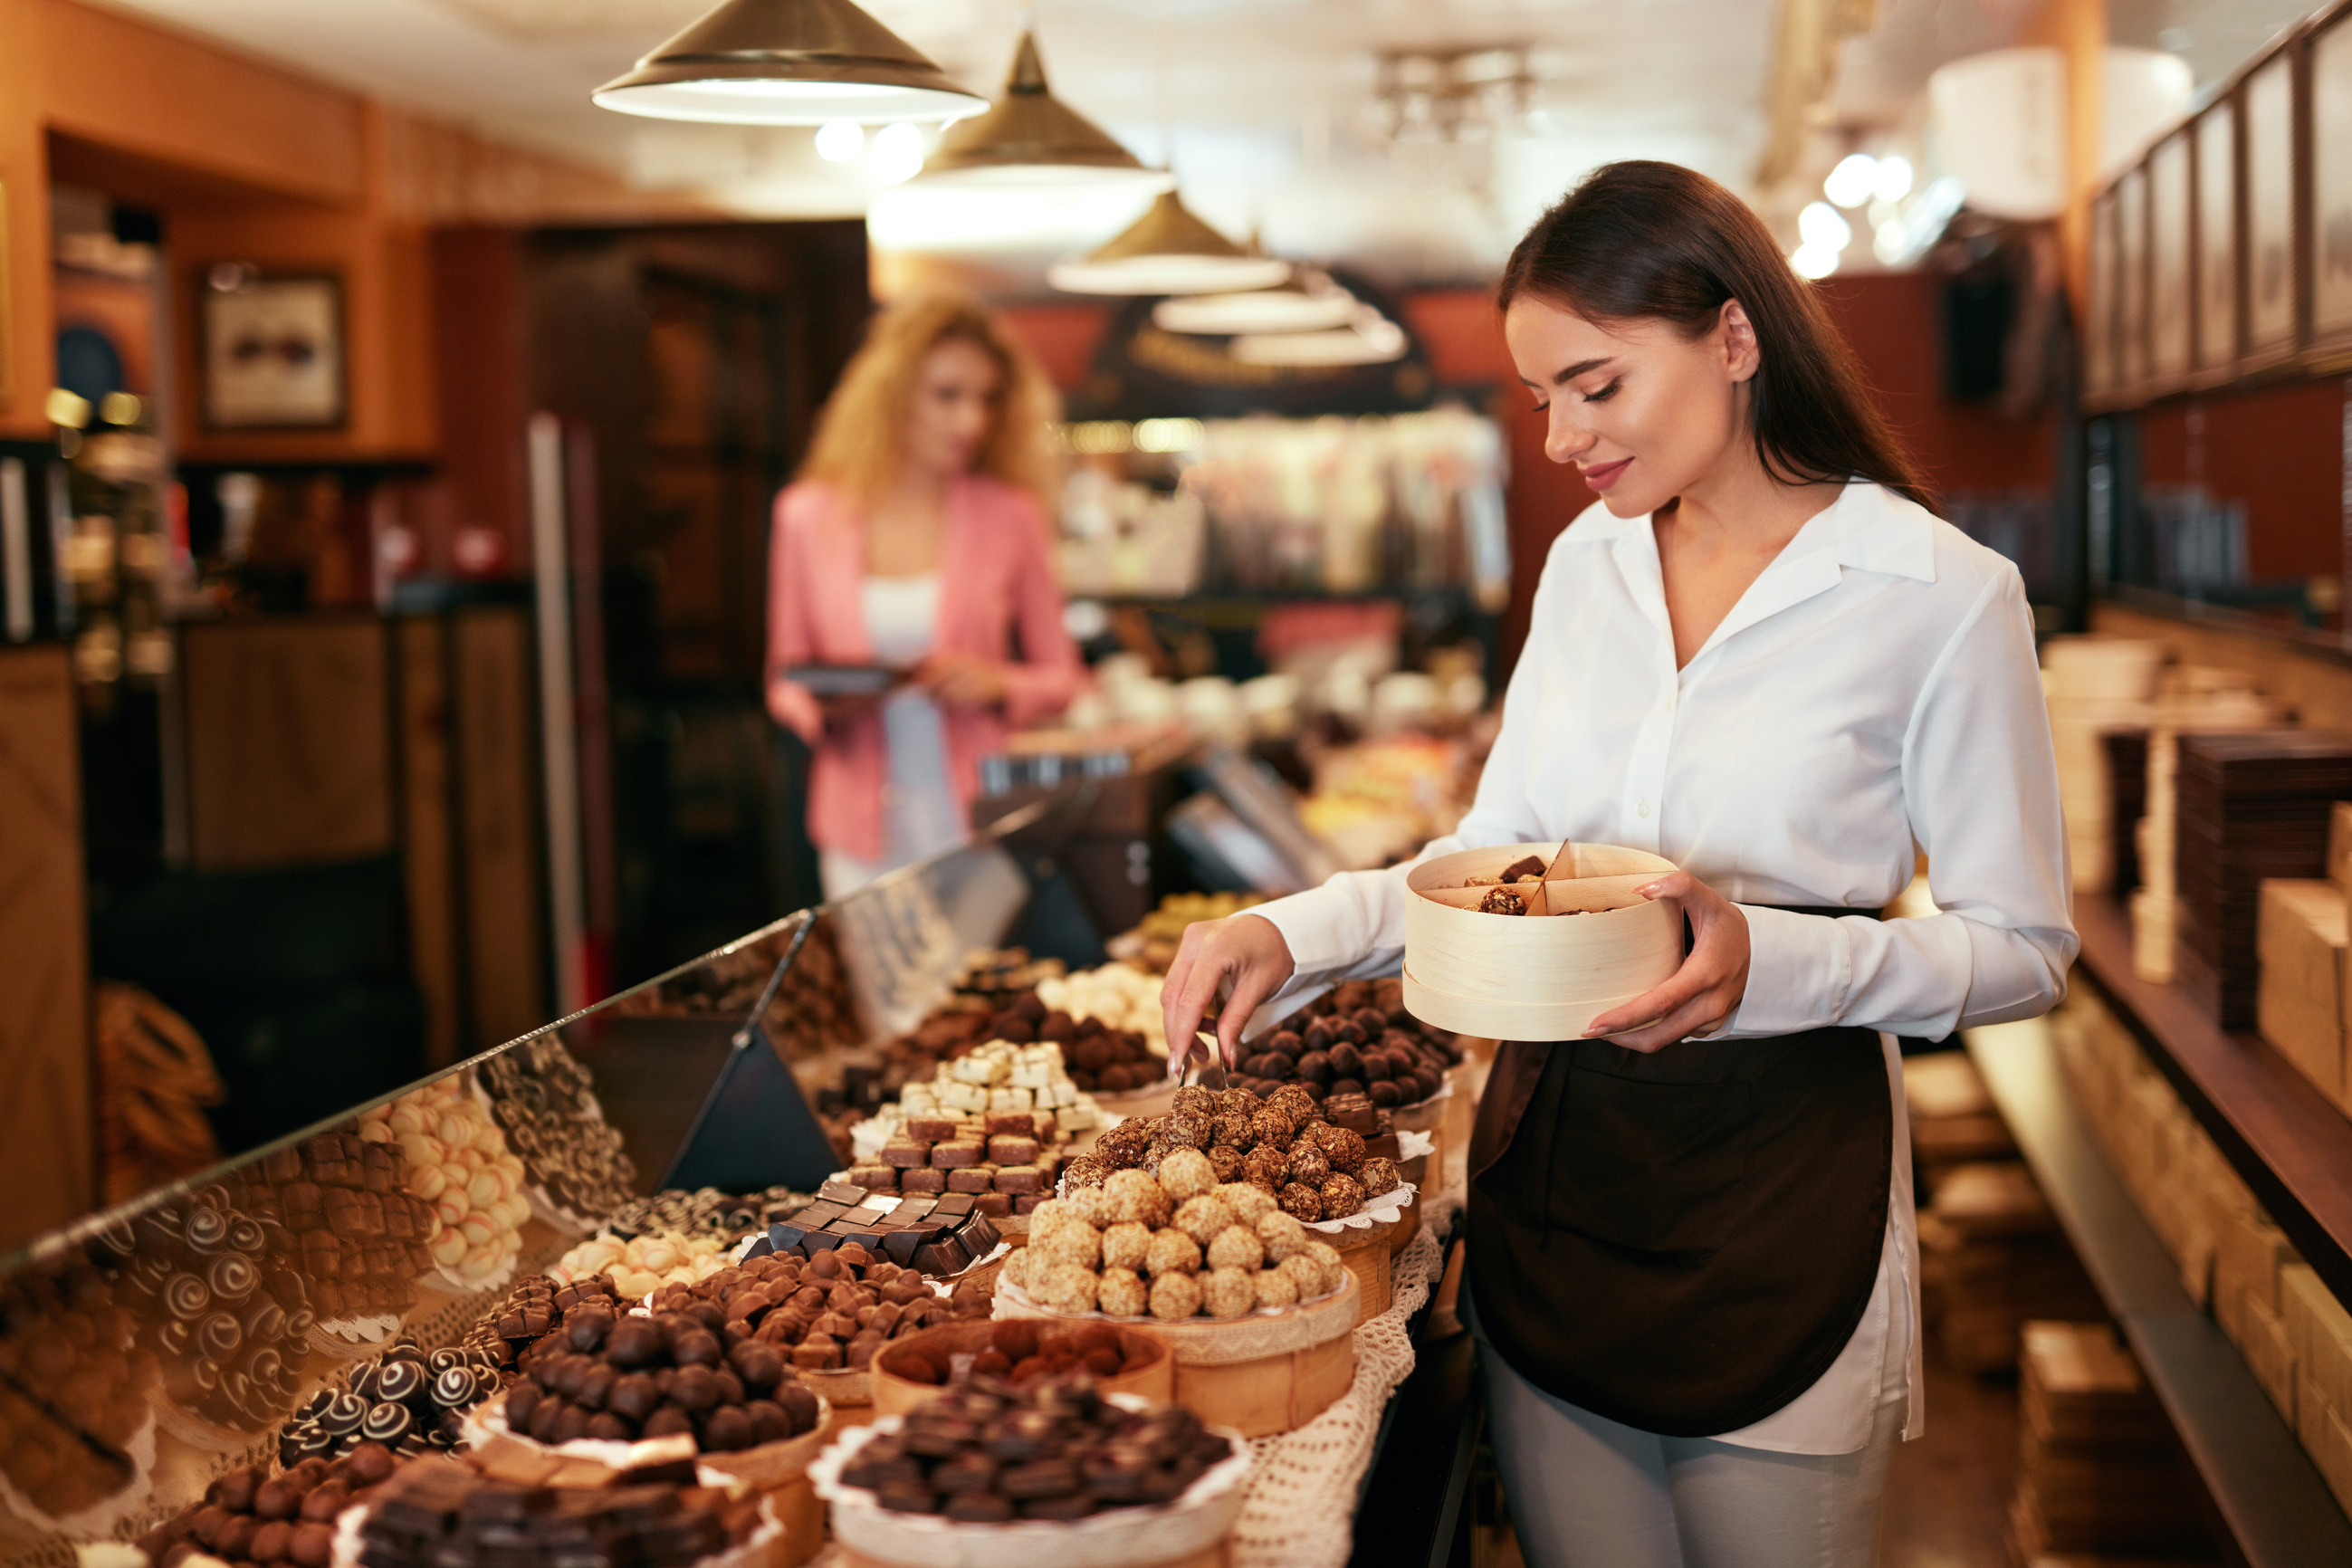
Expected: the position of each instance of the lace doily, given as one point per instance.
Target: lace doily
(1381, 1210)
(1193, 1524)
(1218, 1341)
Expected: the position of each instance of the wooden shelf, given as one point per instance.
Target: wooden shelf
(2270, 1499)
(2286, 1140)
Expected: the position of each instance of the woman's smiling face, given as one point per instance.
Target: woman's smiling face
(1644, 412)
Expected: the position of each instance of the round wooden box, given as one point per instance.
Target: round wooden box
(1537, 977)
(1259, 1374)
(1366, 1252)
(894, 1395)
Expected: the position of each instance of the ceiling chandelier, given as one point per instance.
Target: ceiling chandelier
(1033, 139)
(788, 62)
(1168, 251)
(1438, 112)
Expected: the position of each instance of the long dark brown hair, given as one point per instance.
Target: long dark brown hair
(1644, 239)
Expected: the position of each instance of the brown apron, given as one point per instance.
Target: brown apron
(1681, 1241)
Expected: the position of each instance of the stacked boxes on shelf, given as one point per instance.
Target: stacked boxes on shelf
(2098, 1467)
(2295, 1337)
(2301, 1001)
(2252, 805)
(2094, 685)
(1953, 1120)
(1992, 1259)
(2195, 699)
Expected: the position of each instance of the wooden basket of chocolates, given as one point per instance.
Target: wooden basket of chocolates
(1017, 1352)
(1256, 1310)
(1055, 1475)
(1532, 941)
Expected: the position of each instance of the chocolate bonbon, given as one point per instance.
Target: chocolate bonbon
(989, 1452)
(439, 1513)
(546, 1102)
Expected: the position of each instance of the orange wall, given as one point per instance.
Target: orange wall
(251, 162)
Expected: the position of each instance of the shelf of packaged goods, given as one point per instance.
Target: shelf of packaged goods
(2269, 1498)
(2286, 1139)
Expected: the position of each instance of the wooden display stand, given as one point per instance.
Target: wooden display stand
(1367, 1255)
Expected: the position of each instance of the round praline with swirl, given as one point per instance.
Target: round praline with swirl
(232, 1277)
(220, 1334)
(456, 1388)
(244, 1234)
(204, 1231)
(186, 1297)
(343, 1416)
(387, 1424)
(400, 1383)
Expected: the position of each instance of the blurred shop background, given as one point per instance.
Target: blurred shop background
(388, 436)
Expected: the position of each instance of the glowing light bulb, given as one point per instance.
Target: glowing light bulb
(1822, 228)
(1891, 181)
(1812, 261)
(839, 140)
(898, 153)
(1850, 184)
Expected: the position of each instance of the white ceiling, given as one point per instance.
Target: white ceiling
(1261, 106)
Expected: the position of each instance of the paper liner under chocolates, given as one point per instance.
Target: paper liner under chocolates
(768, 1464)
(353, 1338)
(1217, 1342)
(1114, 1537)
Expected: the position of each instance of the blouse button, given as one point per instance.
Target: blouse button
(1643, 809)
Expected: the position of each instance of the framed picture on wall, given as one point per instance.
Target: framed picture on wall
(2216, 132)
(271, 348)
(2270, 206)
(2168, 260)
(2099, 378)
(2331, 181)
(2131, 281)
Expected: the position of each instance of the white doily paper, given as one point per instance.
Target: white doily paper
(99, 1520)
(1111, 1539)
(1381, 1210)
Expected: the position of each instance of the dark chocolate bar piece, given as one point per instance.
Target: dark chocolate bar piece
(978, 1236)
(900, 1246)
(956, 1153)
(840, 1192)
(996, 1203)
(1020, 1178)
(874, 1178)
(956, 1204)
(924, 1181)
(1026, 1203)
(906, 1156)
(786, 1235)
(930, 1128)
(1022, 1123)
(1012, 1149)
(971, 1179)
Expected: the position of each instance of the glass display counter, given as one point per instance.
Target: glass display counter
(150, 1348)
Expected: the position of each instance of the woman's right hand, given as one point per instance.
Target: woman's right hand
(1245, 955)
(841, 711)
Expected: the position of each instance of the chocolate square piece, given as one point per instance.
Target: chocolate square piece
(900, 1246)
(874, 1178)
(996, 1203)
(840, 1192)
(1012, 1149)
(1020, 1178)
(978, 1236)
(937, 1259)
(955, 1154)
(955, 1206)
(866, 1237)
(905, 1155)
(818, 1241)
(930, 1128)
(1016, 1121)
(912, 1207)
(824, 1212)
(971, 1179)
(786, 1235)
(926, 1180)
(763, 1247)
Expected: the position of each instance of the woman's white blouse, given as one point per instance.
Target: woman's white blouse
(1873, 695)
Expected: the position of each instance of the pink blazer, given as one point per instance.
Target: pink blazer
(996, 576)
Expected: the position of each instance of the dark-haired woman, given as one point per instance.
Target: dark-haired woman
(1693, 1260)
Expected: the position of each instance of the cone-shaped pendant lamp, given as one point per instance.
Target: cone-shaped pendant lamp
(788, 62)
(1032, 138)
(1168, 251)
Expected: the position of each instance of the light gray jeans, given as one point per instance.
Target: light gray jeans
(1587, 1492)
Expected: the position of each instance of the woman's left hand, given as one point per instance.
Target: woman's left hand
(962, 679)
(1701, 996)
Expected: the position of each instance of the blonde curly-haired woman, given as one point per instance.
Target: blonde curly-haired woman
(915, 537)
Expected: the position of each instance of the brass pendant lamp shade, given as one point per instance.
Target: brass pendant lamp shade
(1032, 138)
(788, 62)
(1168, 251)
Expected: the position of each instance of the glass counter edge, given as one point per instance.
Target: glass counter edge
(51, 1247)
